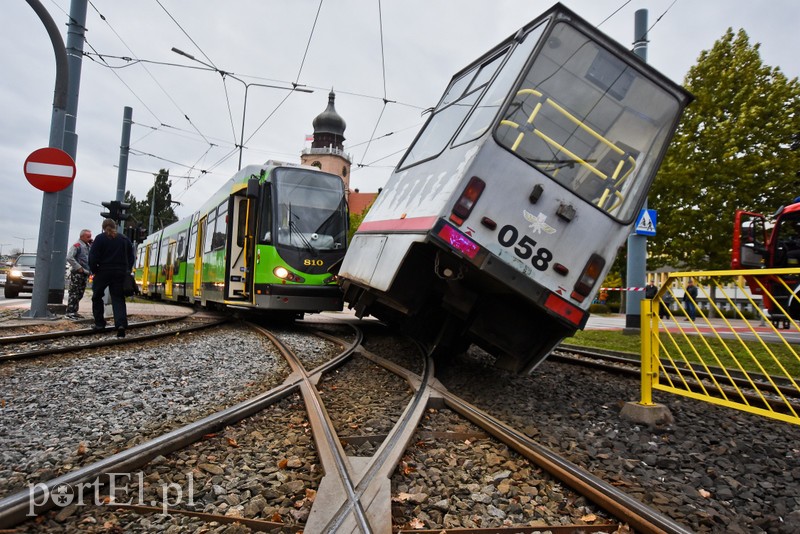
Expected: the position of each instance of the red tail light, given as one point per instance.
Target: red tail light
(467, 200)
(588, 278)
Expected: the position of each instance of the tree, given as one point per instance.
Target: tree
(734, 149)
(163, 212)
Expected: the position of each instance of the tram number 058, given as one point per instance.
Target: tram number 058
(525, 247)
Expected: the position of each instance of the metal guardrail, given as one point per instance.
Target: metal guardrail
(749, 360)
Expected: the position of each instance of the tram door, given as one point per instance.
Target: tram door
(169, 269)
(197, 280)
(241, 229)
(146, 271)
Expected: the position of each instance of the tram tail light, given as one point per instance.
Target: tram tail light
(588, 278)
(459, 241)
(469, 197)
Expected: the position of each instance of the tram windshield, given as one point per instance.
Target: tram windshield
(310, 210)
(590, 121)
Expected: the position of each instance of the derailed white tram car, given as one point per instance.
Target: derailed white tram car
(508, 209)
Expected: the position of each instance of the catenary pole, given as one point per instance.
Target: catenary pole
(46, 223)
(76, 28)
(637, 244)
(124, 148)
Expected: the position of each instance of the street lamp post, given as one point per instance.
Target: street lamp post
(23, 241)
(294, 87)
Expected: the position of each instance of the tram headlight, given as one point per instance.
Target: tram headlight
(285, 274)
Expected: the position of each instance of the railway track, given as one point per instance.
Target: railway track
(355, 494)
(629, 365)
(42, 344)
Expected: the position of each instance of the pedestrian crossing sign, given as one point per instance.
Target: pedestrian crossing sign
(646, 223)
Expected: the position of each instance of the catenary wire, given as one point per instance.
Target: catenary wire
(185, 33)
(166, 93)
(308, 44)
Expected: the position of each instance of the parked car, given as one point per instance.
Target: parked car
(19, 277)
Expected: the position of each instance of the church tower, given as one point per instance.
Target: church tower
(327, 149)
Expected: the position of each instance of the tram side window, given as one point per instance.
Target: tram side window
(451, 111)
(265, 219)
(140, 259)
(210, 223)
(192, 241)
(241, 223)
(182, 244)
(163, 258)
(221, 230)
(489, 104)
(153, 255)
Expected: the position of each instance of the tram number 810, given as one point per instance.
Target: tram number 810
(525, 247)
(314, 263)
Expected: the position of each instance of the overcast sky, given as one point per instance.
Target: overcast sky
(405, 52)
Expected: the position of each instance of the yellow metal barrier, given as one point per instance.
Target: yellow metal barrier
(740, 350)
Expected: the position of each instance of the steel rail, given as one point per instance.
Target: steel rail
(539, 456)
(329, 448)
(107, 342)
(633, 370)
(625, 508)
(86, 331)
(381, 465)
(14, 509)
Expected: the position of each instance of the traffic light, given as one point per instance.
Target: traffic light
(113, 209)
(122, 213)
(141, 234)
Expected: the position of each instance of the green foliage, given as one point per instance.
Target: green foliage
(355, 221)
(163, 212)
(735, 148)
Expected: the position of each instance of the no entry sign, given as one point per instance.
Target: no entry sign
(49, 169)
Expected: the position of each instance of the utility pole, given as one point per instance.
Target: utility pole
(637, 244)
(46, 223)
(124, 148)
(76, 28)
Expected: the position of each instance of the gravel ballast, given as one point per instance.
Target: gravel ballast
(714, 469)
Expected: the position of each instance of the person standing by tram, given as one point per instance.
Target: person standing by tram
(689, 299)
(111, 259)
(78, 261)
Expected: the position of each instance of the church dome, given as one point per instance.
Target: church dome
(329, 122)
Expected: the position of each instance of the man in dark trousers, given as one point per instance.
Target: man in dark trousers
(111, 259)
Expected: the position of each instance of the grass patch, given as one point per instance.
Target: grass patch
(751, 355)
(606, 339)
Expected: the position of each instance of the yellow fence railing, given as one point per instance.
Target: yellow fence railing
(733, 340)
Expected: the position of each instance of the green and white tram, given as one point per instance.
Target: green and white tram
(268, 239)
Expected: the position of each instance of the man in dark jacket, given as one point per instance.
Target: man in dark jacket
(111, 259)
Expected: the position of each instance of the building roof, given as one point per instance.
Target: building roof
(358, 202)
(329, 121)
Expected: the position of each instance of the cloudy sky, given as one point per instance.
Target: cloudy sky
(188, 119)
